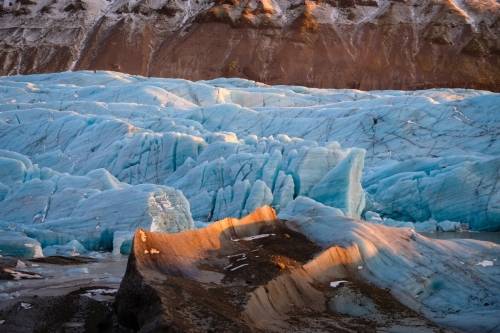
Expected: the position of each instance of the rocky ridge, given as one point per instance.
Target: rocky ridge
(365, 44)
(261, 273)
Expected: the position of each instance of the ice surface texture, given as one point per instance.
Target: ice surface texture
(90, 142)
(447, 281)
(460, 188)
(57, 208)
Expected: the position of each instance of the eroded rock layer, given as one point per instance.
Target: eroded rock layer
(341, 44)
(265, 274)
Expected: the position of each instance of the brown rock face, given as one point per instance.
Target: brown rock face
(325, 43)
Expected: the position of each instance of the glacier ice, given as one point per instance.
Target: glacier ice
(70, 249)
(428, 226)
(448, 226)
(62, 211)
(121, 239)
(337, 187)
(302, 207)
(449, 188)
(104, 152)
(17, 244)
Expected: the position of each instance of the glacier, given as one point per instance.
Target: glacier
(62, 213)
(93, 155)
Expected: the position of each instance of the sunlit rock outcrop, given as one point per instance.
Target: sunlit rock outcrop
(260, 274)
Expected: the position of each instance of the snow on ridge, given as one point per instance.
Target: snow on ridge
(232, 145)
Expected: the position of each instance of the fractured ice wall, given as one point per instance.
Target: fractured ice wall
(460, 188)
(231, 145)
(239, 177)
(141, 133)
(56, 208)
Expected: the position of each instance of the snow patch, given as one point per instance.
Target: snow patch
(485, 263)
(251, 238)
(335, 284)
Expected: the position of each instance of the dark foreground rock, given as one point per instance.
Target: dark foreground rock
(253, 274)
(74, 312)
(63, 260)
(319, 272)
(59, 294)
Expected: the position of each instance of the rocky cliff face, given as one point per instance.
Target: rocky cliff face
(366, 44)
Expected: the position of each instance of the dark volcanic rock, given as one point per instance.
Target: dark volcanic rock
(69, 313)
(332, 43)
(62, 260)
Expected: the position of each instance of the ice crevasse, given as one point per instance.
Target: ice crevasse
(107, 152)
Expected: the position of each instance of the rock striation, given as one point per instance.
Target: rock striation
(372, 44)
